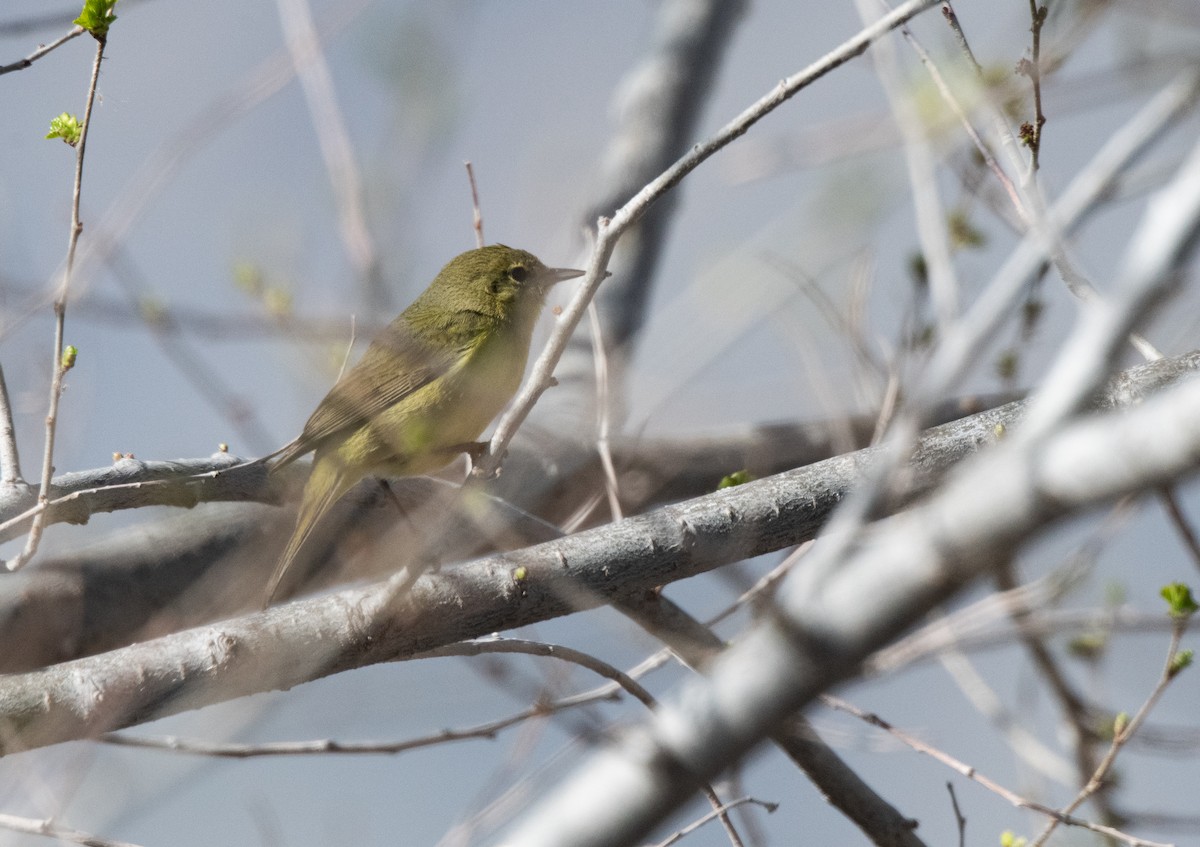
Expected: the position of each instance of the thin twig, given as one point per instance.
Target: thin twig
(206, 380)
(932, 232)
(1018, 603)
(1171, 216)
(974, 775)
(275, 649)
(10, 460)
(476, 215)
(305, 47)
(763, 588)
(1033, 69)
(696, 824)
(1121, 736)
(1075, 708)
(603, 416)
(1008, 141)
(958, 816)
(219, 324)
(928, 645)
(850, 325)
(60, 312)
(595, 665)
(161, 165)
(960, 113)
(231, 750)
(1027, 747)
(50, 829)
(22, 64)
(609, 230)
(1100, 177)
(494, 645)
(1180, 522)
(1075, 281)
(609, 691)
(952, 19)
(698, 647)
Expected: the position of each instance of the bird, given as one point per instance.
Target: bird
(427, 386)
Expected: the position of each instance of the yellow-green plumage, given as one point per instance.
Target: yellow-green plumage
(428, 385)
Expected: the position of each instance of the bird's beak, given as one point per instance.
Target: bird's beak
(561, 274)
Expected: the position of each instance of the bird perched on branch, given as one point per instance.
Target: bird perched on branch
(427, 386)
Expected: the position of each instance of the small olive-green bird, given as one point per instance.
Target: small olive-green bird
(428, 385)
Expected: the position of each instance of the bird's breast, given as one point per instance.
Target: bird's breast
(420, 434)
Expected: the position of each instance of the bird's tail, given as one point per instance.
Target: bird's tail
(327, 483)
(286, 454)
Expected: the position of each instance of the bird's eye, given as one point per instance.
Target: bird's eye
(519, 273)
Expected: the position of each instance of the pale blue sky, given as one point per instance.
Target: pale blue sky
(525, 90)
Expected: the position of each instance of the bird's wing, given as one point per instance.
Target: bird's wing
(396, 365)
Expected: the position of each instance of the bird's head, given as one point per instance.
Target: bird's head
(501, 274)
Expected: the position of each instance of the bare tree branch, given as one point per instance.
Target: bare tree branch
(862, 588)
(275, 649)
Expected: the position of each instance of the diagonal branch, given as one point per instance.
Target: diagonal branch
(276, 649)
(609, 230)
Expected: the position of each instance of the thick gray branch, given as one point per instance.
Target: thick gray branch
(276, 649)
(194, 568)
(834, 614)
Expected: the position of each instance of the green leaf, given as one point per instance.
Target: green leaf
(1181, 660)
(736, 478)
(1008, 839)
(67, 127)
(97, 16)
(1179, 600)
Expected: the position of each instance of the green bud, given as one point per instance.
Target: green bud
(67, 127)
(1179, 662)
(97, 16)
(1179, 600)
(736, 478)
(69, 354)
(1008, 839)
